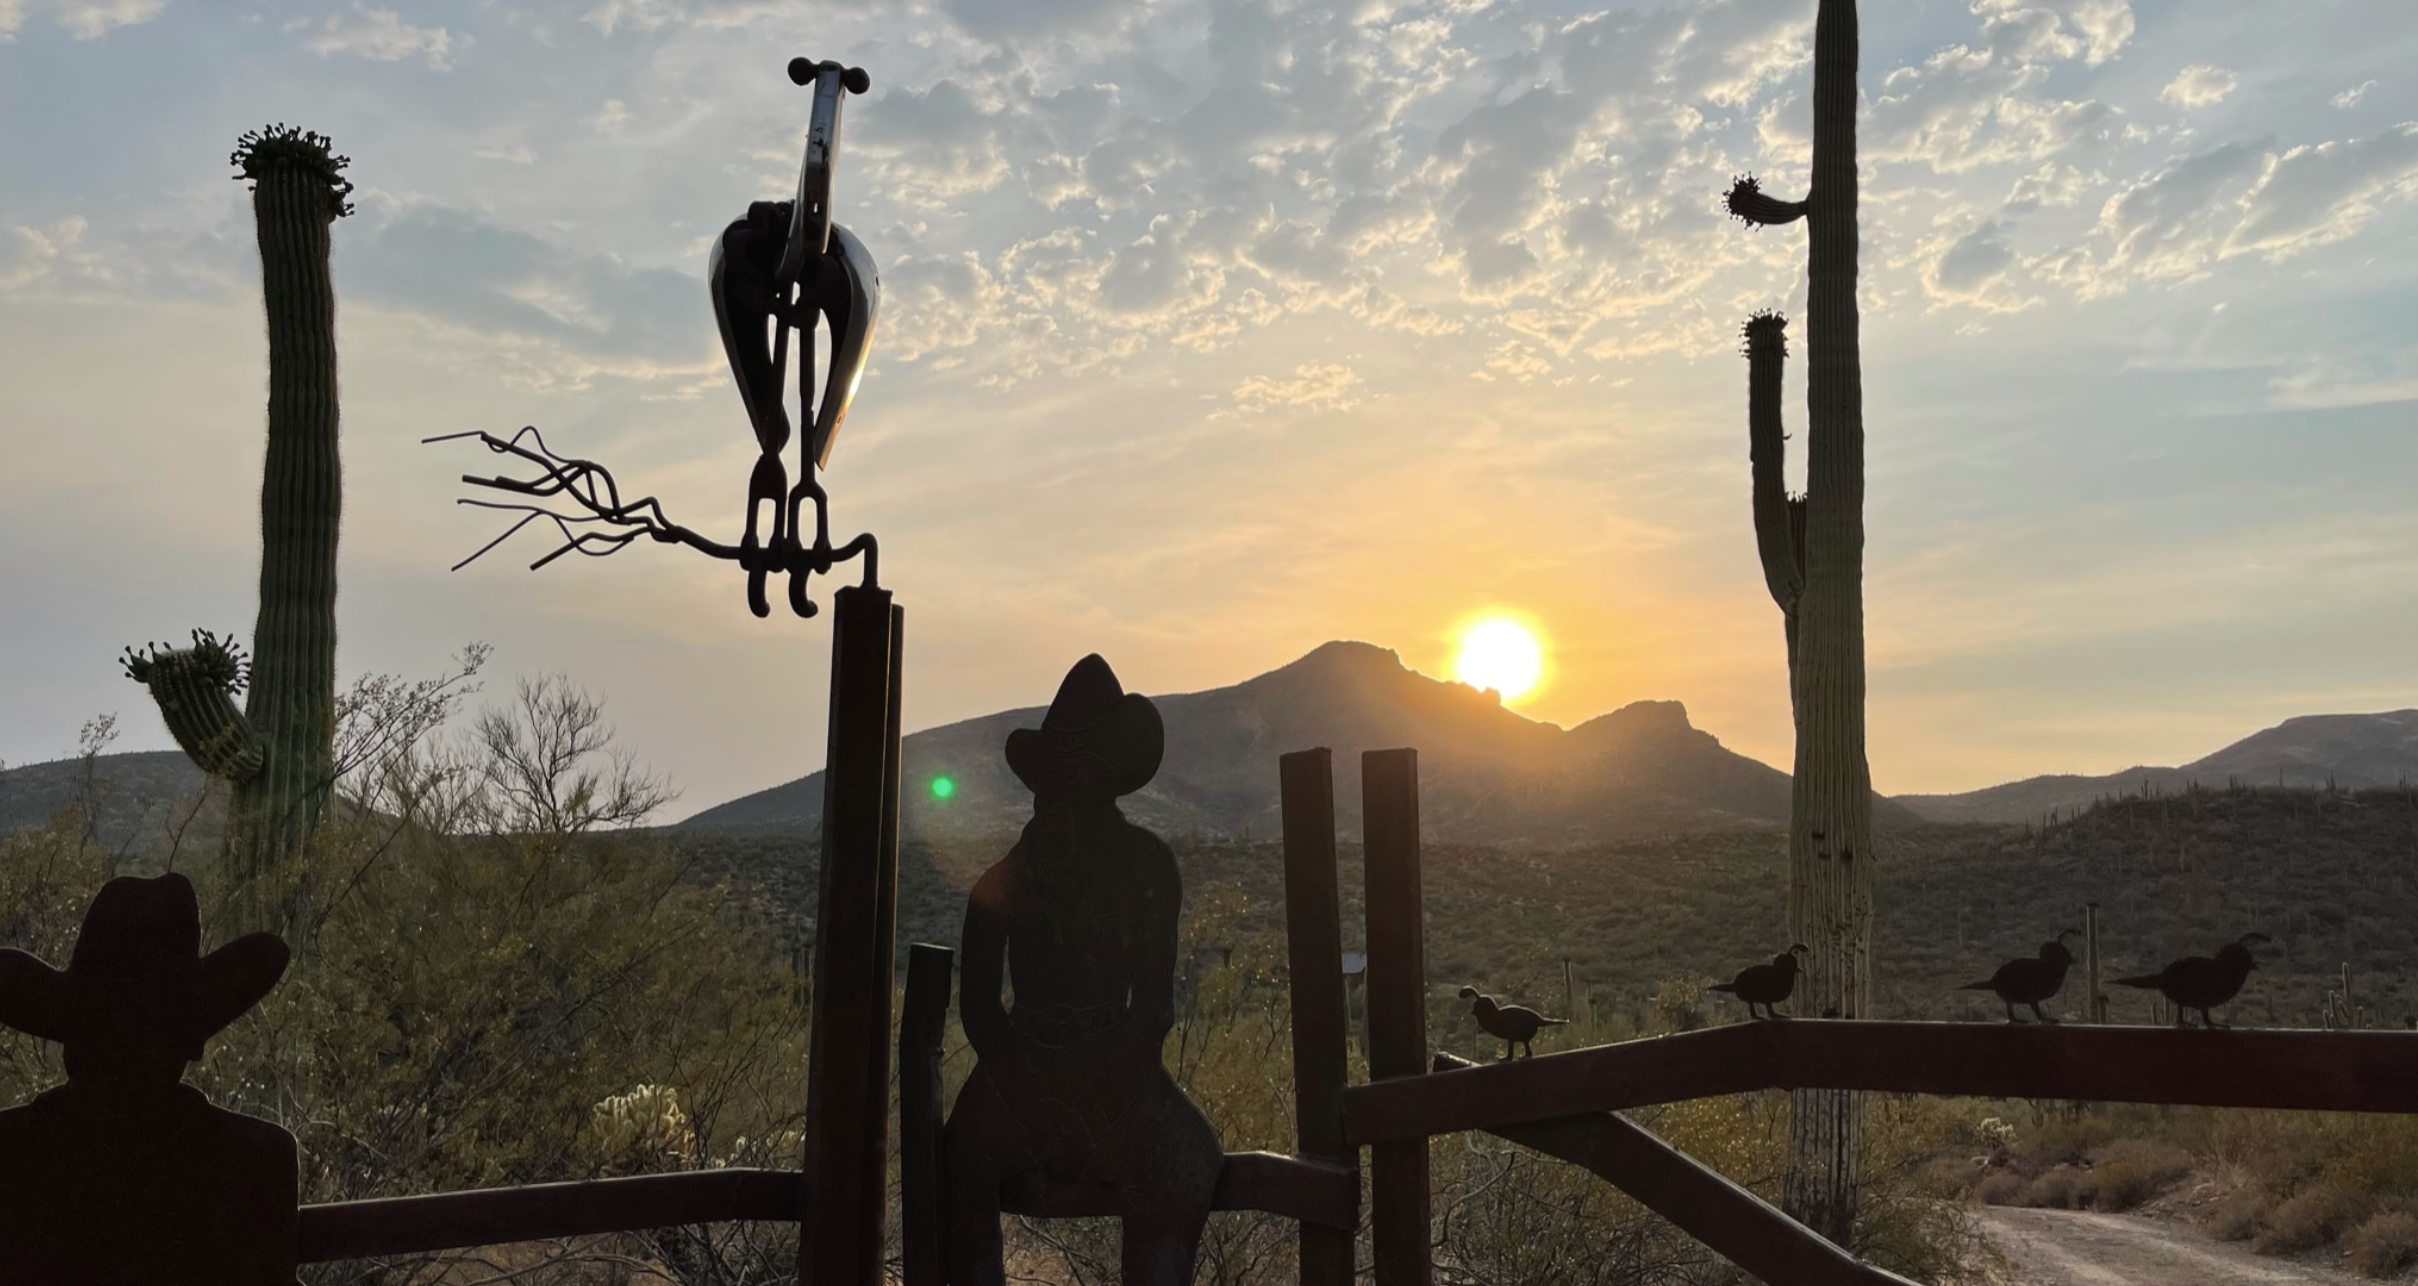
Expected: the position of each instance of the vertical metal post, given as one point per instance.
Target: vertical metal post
(1314, 950)
(921, 1020)
(847, 1073)
(2094, 1005)
(1399, 1198)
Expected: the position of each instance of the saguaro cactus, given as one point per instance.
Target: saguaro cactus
(278, 751)
(1812, 547)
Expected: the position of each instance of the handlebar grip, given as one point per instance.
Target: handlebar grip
(804, 71)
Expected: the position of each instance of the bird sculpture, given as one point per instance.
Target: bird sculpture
(1766, 984)
(2199, 982)
(1511, 1024)
(2030, 980)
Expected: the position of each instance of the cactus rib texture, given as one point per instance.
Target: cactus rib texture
(279, 751)
(1812, 549)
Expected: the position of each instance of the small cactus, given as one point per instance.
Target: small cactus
(278, 751)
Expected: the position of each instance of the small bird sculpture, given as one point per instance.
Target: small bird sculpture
(2199, 982)
(1766, 984)
(1511, 1024)
(2031, 980)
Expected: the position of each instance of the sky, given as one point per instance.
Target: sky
(1215, 329)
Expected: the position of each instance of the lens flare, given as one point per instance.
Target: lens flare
(1500, 652)
(942, 788)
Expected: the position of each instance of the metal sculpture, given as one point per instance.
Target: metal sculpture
(2030, 980)
(125, 1173)
(1510, 1024)
(783, 266)
(1068, 1088)
(1766, 984)
(2202, 983)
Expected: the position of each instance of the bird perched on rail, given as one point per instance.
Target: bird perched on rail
(2032, 980)
(2200, 982)
(1511, 1024)
(1766, 984)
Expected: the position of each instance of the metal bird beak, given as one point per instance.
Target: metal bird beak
(1800, 948)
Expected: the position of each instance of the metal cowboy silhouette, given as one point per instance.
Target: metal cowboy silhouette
(125, 1174)
(1069, 1088)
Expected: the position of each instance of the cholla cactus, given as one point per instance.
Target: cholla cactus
(278, 751)
(1812, 548)
(646, 1124)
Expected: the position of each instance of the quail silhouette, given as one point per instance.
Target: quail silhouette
(1766, 984)
(1511, 1024)
(2031, 980)
(2199, 982)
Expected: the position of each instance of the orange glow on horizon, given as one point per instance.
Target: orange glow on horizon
(1501, 650)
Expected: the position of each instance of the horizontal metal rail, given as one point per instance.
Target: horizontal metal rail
(2308, 1070)
(1733, 1222)
(537, 1212)
(1311, 1191)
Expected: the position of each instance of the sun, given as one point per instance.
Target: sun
(1502, 652)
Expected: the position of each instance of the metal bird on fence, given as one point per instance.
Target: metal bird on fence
(2030, 980)
(1766, 984)
(1511, 1024)
(2202, 982)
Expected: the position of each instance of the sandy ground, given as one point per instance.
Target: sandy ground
(2079, 1248)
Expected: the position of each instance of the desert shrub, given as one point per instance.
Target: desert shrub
(2002, 1188)
(2383, 1244)
(2238, 1215)
(2061, 1187)
(2310, 1218)
(2130, 1171)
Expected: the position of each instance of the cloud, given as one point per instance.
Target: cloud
(80, 19)
(1316, 386)
(380, 35)
(930, 147)
(2314, 195)
(2351, 97)
(2198, 86)
(2170, 224)
(54, 261)
(1978, 269)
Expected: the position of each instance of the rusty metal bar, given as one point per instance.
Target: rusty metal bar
(840, 1244)
(923, 1017)
(1400, 1203)
(538, 1212)
(1314, 949)
(1699, 1201)
(2299, 1070)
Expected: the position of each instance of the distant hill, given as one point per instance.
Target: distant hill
(2350, 751)
(1487, 775)
(139, 799)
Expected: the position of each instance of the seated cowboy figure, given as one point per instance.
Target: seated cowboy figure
(1068, 1090)
(125, 1174)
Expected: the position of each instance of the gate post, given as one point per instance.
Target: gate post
(1314, 951)
(1399, 1199)
(848, 1068)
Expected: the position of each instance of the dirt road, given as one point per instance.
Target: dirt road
(2078, 1248)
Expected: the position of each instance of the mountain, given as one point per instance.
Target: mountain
(140, 800)
(1487, 775)
(2350, 751)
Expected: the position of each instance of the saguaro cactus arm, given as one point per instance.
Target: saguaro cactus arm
(1748, 201)
(1779, 516)
(194, 688)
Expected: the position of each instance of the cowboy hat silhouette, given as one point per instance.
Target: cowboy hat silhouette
(1092, 717)
(137, 980)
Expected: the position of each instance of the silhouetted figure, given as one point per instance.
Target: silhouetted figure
(1068, 1087)
(1510, 1024)
(2198, 982)
(125, 1176)
(2032, 980)
(1766, 984)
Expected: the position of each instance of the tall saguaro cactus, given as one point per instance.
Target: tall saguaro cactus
(278, 751)
(1812, 549)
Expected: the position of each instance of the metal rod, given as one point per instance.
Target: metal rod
(1400, 1201)
(1314, 950)
(840, 1244)
(922, 1019)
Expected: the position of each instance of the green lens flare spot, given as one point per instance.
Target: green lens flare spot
(942, 788)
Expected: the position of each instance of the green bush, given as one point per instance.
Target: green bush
(2311, 1218)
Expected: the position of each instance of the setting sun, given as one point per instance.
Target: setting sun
(1500, 652)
